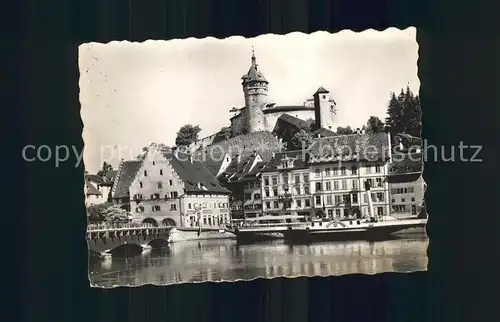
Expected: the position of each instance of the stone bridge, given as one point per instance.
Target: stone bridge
(101, 239)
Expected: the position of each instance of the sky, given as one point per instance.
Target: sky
(132, 94)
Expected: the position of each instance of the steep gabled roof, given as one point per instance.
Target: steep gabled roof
(94, 178)
(324, 133)
(110, 175)
(322, 90)
(196, 177)
(126, 174)
(298, 157)
(90, 189)
(363, 147)
(403, 178)
(264, 143)
(292, 120)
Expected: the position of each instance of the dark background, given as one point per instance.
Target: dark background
(459, 72)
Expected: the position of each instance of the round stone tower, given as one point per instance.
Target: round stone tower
(255, 88)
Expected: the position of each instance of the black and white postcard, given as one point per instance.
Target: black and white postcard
(242, 158)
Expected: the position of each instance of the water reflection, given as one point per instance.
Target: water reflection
(225, 260)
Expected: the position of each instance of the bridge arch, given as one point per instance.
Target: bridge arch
(168, 222)
(150, 221)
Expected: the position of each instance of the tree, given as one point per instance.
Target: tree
(374, 125)
(344, 130)
(301, 139)
(226, 132)
(187, 134)
(95, 212)
(105, 168)
(404, 113)
(312, 124)
(145, 149)
(115, 214)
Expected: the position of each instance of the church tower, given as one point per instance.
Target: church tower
(255, 88)
(325, 109)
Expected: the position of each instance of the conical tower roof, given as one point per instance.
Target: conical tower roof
(253, 73)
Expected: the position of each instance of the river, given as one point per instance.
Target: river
(225, 260)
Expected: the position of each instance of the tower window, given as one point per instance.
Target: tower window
(324, 96)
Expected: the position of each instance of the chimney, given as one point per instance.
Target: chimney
(238, 158)
(254, 153)
(190, 158)
(363, 131)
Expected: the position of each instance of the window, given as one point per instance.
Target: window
(140, 184)
(297, 179)
(306, 190)
(365, 198)
(346, 199)
(354, 198)
(266, 191)
(393, 200)
(344, 184)
(354, 169)
(317, 173)
(318, 200)
(335, 185)
(412, 199)
(189, 205)
(166, 197)
(338, 200)
(306, 178)
(297, 190)
(342, 171)
(160, 185)
(394, 191)
(275, 192)
(256, 196)
(250, 185)
(266, 181)
(413, 210)
(378, 182)
(257, 184)
(337, 213)
(380, 196)
(354, 184)
(155, 208)
(328, 186)
(380, 211)
(335, 172)
(248, 196)
(204, 220)
(275, 204)
(403, 200)
(268, 205)
(275, 180)
(173, 194)
(411, 190)
(154, 163)
(318, 186)
(329, 200)
(299, 203)
(370, 182)
(145, 173)
(156, 196)
(330, 213)
(327, 172)
(308, 202)
(161, 172)
(346, 212)
(285, 178)
(377, 169)
(139, 209)
(170, 182)
(368, 169)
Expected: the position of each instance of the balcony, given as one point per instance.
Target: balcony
(285, 197)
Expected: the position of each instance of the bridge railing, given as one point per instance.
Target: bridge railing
(112, 226)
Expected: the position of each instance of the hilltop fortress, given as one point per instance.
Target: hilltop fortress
(261, 115)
